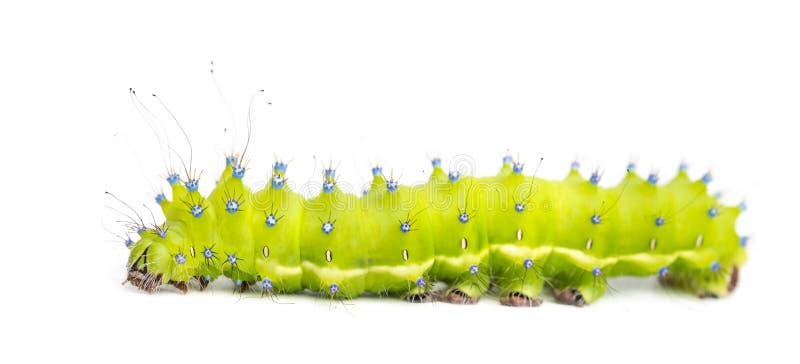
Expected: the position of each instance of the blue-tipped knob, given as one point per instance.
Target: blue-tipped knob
(231, 160)
(196, 210)
(527, 263)
(271, 220)
(232, 206)
(238, 172)
(594, 178)
(277, 181)
(707, 178)
(191, 185)
(391, 186)
(173, 178)
(327, 227)
(453, 176)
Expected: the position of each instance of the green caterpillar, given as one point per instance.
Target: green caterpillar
(511, 234)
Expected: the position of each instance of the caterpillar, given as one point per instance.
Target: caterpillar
(512, 235)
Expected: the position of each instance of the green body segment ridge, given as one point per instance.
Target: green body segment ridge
(512, 233)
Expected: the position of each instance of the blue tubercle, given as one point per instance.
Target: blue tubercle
(421, 282)
(391, 186)
(334, 288)
(180, 258)
(238, 172)
(659, 221)
(596, 271)
(715, 266)
(192, 184)
(232, 206)
(596, 219)
(160, 198)
(683, 167)
(208, 253)
(594, 178)
(327, 227)
(128, 243)
(473, 269)
(631, 167)
(329, 173)
(280, 167)
(652, 179)
(518, 167)
(463, 217)
(231, 160)
(519, 207)
(377, 171)
(436, 162)
(232, 259)
(173, 178)
(707, 178)
(507, 159)
(663, 271)
(527, 263)
(575, 165)
(453, 176)
(196, 210)
(713, 212)
(266, 284)
(742, 241)
(327, 187)
(405, 227)
(161, 233)
(277, 181)
(271, 220)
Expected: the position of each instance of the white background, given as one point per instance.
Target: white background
(711, 82)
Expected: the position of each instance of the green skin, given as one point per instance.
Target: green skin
(366, 251)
